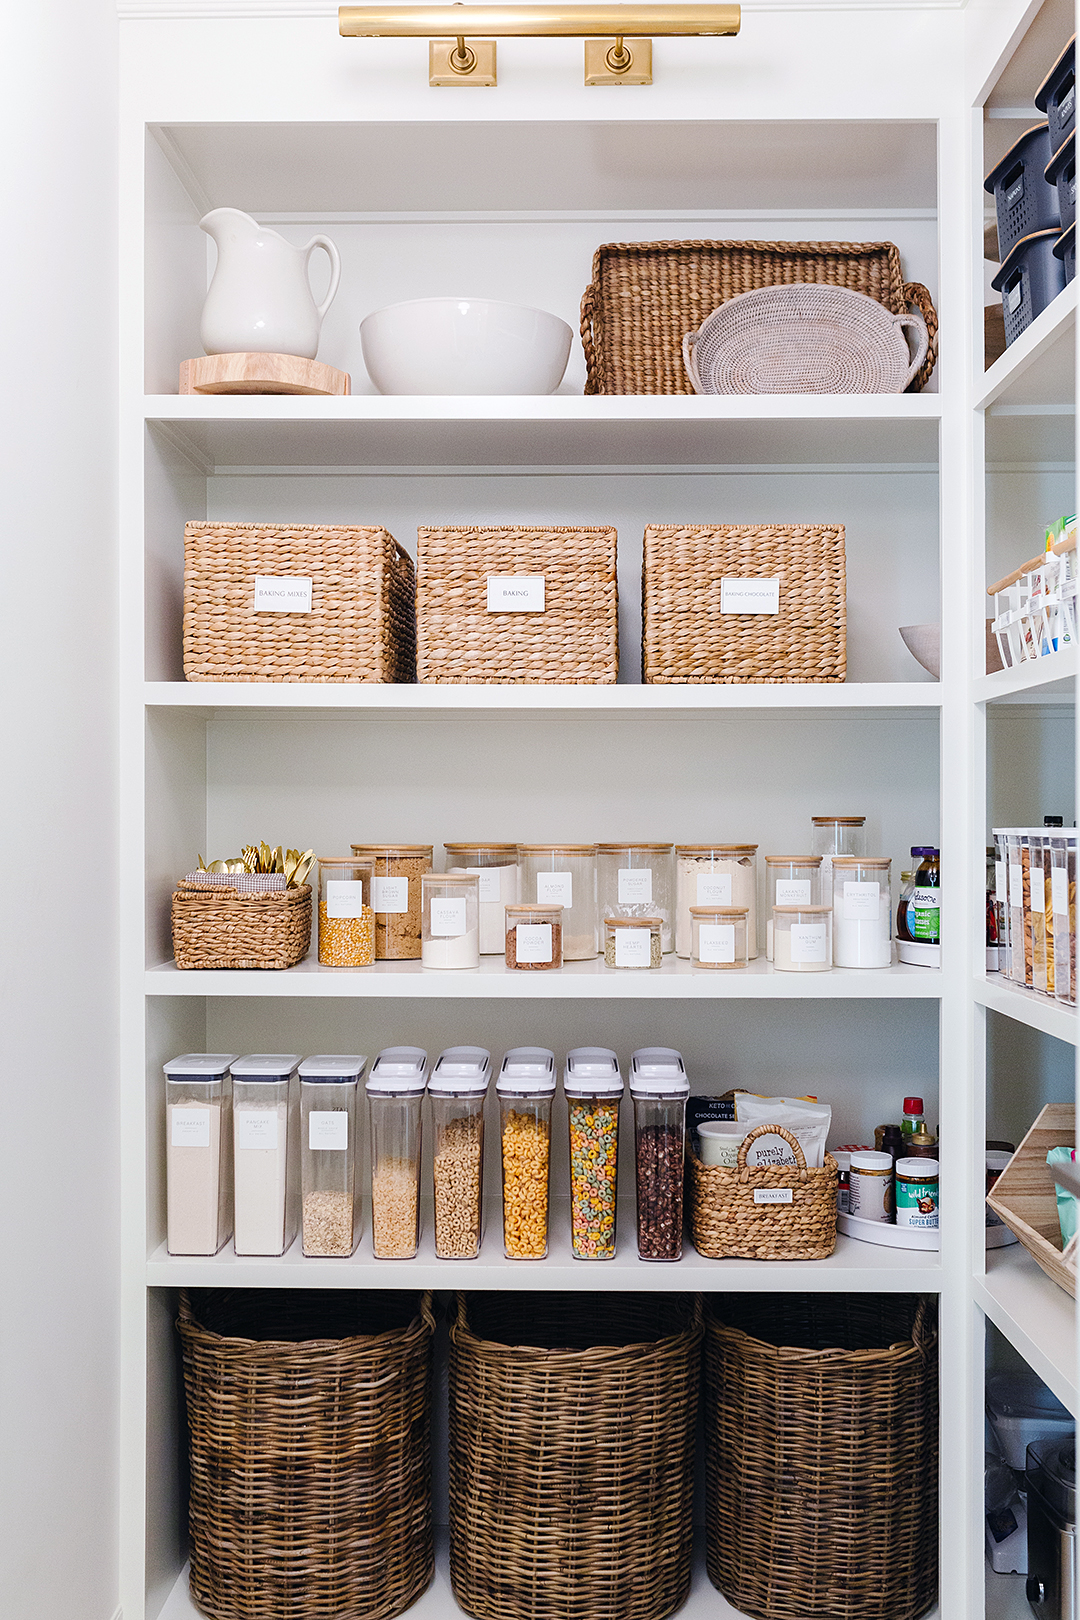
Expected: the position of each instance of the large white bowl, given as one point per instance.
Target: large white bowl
(464, 346)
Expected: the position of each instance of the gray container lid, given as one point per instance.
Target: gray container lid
(461, 1071)
(658, 1071)
(199, 1065)
(265, 1066)
(592, 1071)
(332, 1066)
(398, 1071)
(527, 1071)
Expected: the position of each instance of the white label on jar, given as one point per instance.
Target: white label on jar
(328, 1130)
(633, 947)
(714, 889)
(447, 918)
(282, 593)
(716, 942)
(256, 1128)
(809, 942)
(1000, 880)
(555, 888)
(390, 894)
(1038, 890)
(488, 886)
(345, 897)
(792, 892)
(750, 596)
(1016, 884)
(1059, 891)
(533, 942)
(190, 1127)
(515, 593)
(862, 900)
(773, 1195)
(635, 885)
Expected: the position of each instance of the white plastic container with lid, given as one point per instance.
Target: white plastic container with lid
(1021, 1410)
(719, 1141)
(395, 1092)
(457, 1088)
(659, 1087)
(593, 1086)
(526, 1086)
(198, 1152)
(266, 1163)
(329, 1206)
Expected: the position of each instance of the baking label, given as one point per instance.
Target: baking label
(633, 947)
(809, 942)
(447, 918)
(1016, 884)
(713, 889)
(1000, 880)
(344, 897)
(773, 1195)
(861, 901)
(533, 942)
(1059, 890)
(190, 1127)
(1038, 890)
(635, 885)
(515, 593)
(1016, 295)
(555, 888)
(750, 596)
(282, 593)
(488, 885)
(390, 894)
(256, 1128)
(328, 1130)
(716, 942)
(792, 892)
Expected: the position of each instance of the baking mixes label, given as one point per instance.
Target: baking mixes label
(256, 1128)
(328, 1130)
(635, 885)
(809, 942)
(792, 892)
(862, 901)
(447, 918)
(713, 889)
(773, 1195)
(345, 897)
(1059, 891)
(282, 593)
(555, 888)
(750, 596)
(633, 947)
(515, 593)
(716, 942)
(533, 942)
(390, 894)
(190, 1127)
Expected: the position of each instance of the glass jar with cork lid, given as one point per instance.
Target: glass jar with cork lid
(396, 897)
(715, 875)
(534, 937)
(564, 875)
(638, 880)
(802, 939)
(718, 936)
(835, 835)
(450, 920)
(346, 918)
(632, 942)
(790, 880)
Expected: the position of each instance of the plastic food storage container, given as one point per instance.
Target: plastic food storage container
(329, 1206)
(198, 1152)
(1023, 200)
(1030, 279)
(525, 1086)
(265, 1171)
(802, 939)
(564, 875)
(395, 892)
(715, 875)
(1019, 944)
(450, 920)
(718, 936)
(534, 937)
(790, 880)
(457, 1088)
(659, 1088)
(1039, 880)
(346, 920)
(496, 867)
(862, 911)
(1063, 902)
(593, 1086)
(1056, 97)
(632, 942)
(638, 880)
(395, 1092)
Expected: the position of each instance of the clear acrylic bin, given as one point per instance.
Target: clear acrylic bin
(1063, 898)
(395, 1092)
(329, 1205)
(458, 1087)
(198, 1152)
(526, 1086)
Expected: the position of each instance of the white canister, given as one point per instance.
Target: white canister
(871, 1193)
(862, 911)
(719, 1141)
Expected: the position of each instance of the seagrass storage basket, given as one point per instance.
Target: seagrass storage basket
(821, 1455)
(1025, 1198)
(775, 1212)
(571, 1454)
(645, 296)
(570, 635)
(359, 625)
(698, 579)
(217, 927)
(308, 1417)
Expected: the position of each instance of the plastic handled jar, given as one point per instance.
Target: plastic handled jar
(835, 835)
(329, 1205)
(499, 885)
(534, 937)
(802, 939)
(1063, 913)
(564, 875)
(265, 1171)
(346, 918)
(917, 1193)
(718, 936)
(862, 911)
(450, 920)
(632, 942)
(526, 1086)
(593, 1087)
(396, 896)
(659, 1088)
(638, 880)
(457, 1088)
(918, 924)
(395, 1092)
(715, 875)
(790, 880)
(198, 1152)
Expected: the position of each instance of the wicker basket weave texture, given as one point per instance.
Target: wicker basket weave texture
(726, 1223)
(575, 640)
(821, 1455)
(645, 296)
(362, 622)
(215, 927)
(685, 639)
(571, 1455)
(309, 1438)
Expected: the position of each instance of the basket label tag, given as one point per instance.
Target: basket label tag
(749, 595)
(390, 894)
(515, 593)
(345, 897)
(773, 1195)
(635, 885)
(328, 1130)
(282, 593)
(1015, 191)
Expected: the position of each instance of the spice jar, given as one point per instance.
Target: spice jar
(264, 1147)
(457, 1089)
(862, 911)
(593, 1086)
(659, 1087)
(534, 936)
(718, 936)
(564, 875)
(346, 919)
(917, 1193)
(715, 875)
(918, 929)
(395, 1092)
(632, 942)
(835, 835)
(802, 939)
(790, 880)
(329, 1208)
(638, 880)
(395, 896)
(525, 1086)
(450, 920)
(198, 1156)
(496, 867)
(870, 1179)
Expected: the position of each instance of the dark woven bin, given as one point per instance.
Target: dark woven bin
(309, 1418)
(571, 1454)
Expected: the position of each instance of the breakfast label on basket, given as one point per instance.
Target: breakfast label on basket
(749, 595)
(282, 593)
(773, 1195)
(515, 593)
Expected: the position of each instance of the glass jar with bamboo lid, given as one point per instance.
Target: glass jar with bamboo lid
(718, 936)
(346, 918)
(790, 880)
(396, 896)
(715, 875)
(638, 880)
(564, 875)
(496, 867)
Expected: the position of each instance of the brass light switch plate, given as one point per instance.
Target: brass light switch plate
(478, 69)
(600, 54)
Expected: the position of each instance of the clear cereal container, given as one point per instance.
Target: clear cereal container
(450, 920)
(457, 1088)
(395, 1092)
(265, 1168)
(534, 937)
(1063, 904)
(526, 1086)
(329, 1206)
(715, 875)
(198, 1152)
(564, 875)
(346, 920)
(638, 880)
(802, 939)
(718, 936)
(496, 866)
(659, 1087)
(632, 942)
(395, 896)
(593, 1086)
(790, 880)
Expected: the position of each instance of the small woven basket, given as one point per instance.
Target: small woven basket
(216, 927)
(773, 1212)
(309, 1419)
(821, 1455)
(571, 1454)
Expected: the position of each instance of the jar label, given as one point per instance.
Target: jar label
(750, 596)
(1000, 880)
(390, 894)
(633, 947)
(1059, 888)
(1038, 889)
(923, 915)
(862, 901)
(190, 1127)
(533, 942)
(447, 918)
(555, 888)
(282, 593)
(809, 942)
(515, 593)
(792, 892)
(714, 889)
(635, 885)
(1016, 884)
(256, 1128)
(328, 1130)
(489, 885)
(344, 897)
(716, 942)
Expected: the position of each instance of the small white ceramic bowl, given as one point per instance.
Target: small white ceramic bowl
(464, 346)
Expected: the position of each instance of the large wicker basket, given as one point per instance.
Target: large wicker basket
(686, 637)
(309, 1419)
(821, 1455)
(571, 1454)
(778, 1212)
(645, 296)
(217, 927)
(1024, 1195)
(361, 625)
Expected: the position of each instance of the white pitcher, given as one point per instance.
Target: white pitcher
(260, 300)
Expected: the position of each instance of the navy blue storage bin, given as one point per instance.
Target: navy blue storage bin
(1025, 202)
(1061, 172)
(1030, 278)
(1065, 250)
(1056, 96)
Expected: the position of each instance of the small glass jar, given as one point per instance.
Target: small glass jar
(457, 1088)
(264, 1150)
(450, 920)
(632, 942)
(1063, 913)
(496, 866)
(395, 1091)
(395, 897)
(593, 1086)
(835, 835)
(802, 939)
(329, 1206)
(346, 919)
(198, 1152)
(718, 936)
(534, 937)
(659, 1087)
(638, 880)
(564, 875)
(715, 875)
(790, 880)
(862, 911)
(526, 1086)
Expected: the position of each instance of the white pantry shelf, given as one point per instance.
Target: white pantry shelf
(1028, 1007)
(1036, 680)
(1036, 1316)
(1039, 368)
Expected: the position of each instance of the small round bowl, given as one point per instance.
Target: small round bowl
(923, 642)
(464, 346)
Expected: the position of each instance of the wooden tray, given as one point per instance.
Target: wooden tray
(260, 374)
(1023, 1195)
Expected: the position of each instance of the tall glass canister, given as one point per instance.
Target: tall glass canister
(346, 919)
(496, 867)
(457, 1088)
(715, 875)
(790, 880)
(659, 1088)
(564, 875)
(450, 920)
(198, 1152)
(396, 898)
(329, 1186)
(526, 1086)
(395, 1091)
(835, 835)
(593, 1087)
(638, 880)
(265, 1167)
(862, 911)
